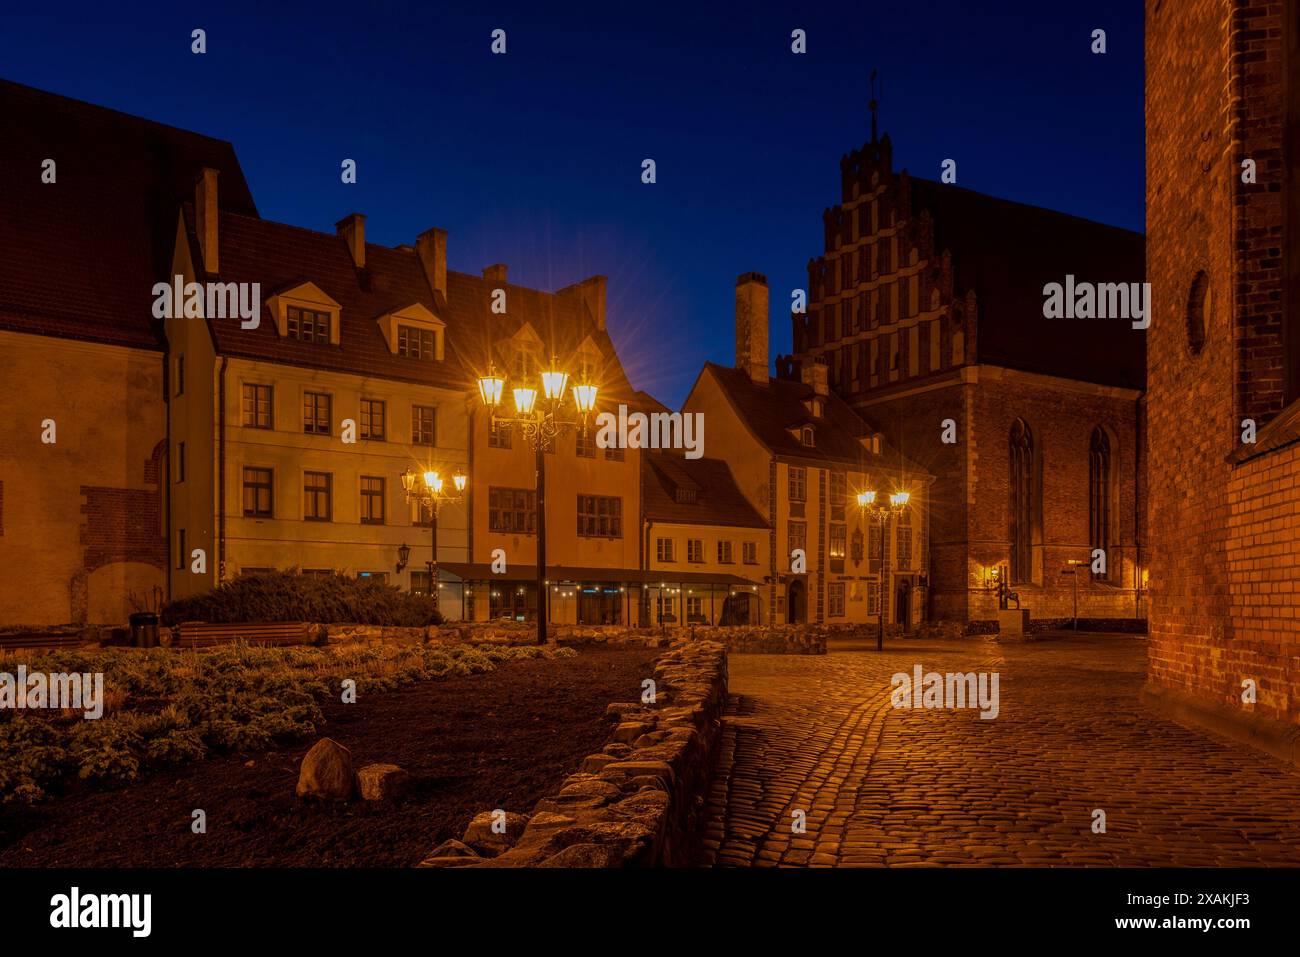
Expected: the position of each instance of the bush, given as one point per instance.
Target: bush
(181, 707)
(285, 596)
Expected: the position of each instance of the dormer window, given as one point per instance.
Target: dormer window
(414, 343)
(814, 406)
(307, 325)
(685, 496)
(414, 332)
(806, 436)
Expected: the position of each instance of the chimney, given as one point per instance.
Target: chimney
(431, 247)
(751, 325)
(205, 219)
(495, 273)
(352, 229)
(592, 292)
(813, 374)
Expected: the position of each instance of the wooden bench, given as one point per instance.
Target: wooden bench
(201, 634)
(37, 640)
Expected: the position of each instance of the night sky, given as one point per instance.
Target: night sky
(534, 158)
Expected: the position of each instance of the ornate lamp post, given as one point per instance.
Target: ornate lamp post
(429, 489)
(540, 417)
(881, 513)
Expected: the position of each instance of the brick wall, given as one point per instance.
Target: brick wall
(1224, 535)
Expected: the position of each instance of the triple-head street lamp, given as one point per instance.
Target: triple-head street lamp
(540, 418)
(429, 489)
(881, 513)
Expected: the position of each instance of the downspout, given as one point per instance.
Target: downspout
(167, 458)
(221, 472)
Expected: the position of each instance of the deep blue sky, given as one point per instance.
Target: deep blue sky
(534, 158)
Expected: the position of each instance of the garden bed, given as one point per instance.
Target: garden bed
(472, 742)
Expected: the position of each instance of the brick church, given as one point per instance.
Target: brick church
(1223, 217)
(927, 307)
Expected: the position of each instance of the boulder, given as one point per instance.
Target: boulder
(482, 838)
(450, 854)
(326, 772)
(381, 782)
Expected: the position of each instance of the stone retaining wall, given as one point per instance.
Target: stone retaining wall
(639, 802)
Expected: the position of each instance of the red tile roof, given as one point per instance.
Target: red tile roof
(773, 410)
(1007, 252)
(280, 256)
(79, 257)
(716, 499)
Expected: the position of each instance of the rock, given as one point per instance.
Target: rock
(481, 836)
(629, 731)
(381, 782)
(326, 772)
(450, 854)
(583, 855)
(588, 789)
(594, 762)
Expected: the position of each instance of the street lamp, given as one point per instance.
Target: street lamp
(540, 416)
(881, 513)
(430, 489)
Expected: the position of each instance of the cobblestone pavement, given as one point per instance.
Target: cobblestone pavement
(898, 787)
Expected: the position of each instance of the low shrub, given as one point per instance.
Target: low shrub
(177, 707)
(285, 596)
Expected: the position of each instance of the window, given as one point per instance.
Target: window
(724, 553)
(585, 443)
(694, 607)
(684, 496)
(903, 538)
(257, 492)
(415, 343)
(257, 406)
(838, 541)
(372, 500)
(423, 509)
(499, 435)
(180, 550)
(308, 325)
(419, 583)
(1197, 299)
(1099, 497)
(664, 550)
(749, 553)
(873, 549)
(377, 576)
(316, 496)
(695, 550)
(797, 535)
(316, 413)
(835, 599)
(613, 455)
(512, 510)
(1023, 502)
(600, 516)
(525, 366)
(798, 486)
(836, 492)
(372, 419)
(180, 461)
(806, 437)
(180, 374)
(251, 570)
(873, 598)
(422, 425)
(317, 572)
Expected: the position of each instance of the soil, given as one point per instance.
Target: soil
(504, 739)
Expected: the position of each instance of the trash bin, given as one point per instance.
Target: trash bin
(144, 630)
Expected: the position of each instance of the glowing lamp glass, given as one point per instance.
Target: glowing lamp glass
(459, 480)
(554, 383)
(489, 389)
(525, 399)
(899, 499)
(584, 397)
(866, 499)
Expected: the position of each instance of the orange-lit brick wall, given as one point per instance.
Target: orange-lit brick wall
(1224, 536)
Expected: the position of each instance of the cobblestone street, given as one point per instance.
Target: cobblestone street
(898, 787)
